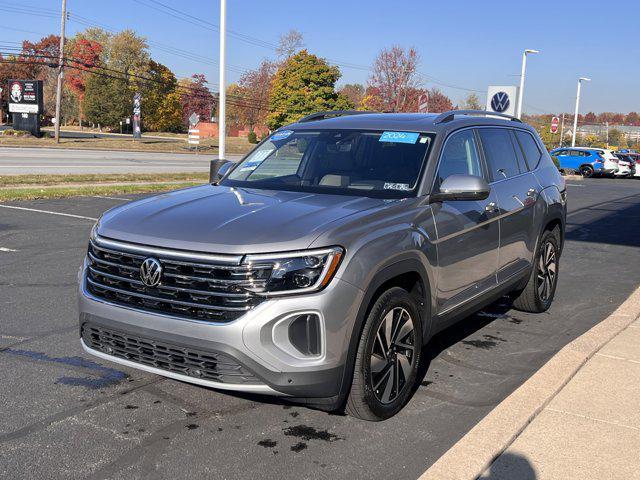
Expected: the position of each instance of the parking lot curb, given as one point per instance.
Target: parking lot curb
(475, 452)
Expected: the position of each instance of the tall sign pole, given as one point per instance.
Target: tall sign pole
(222, 124)
(60, 70)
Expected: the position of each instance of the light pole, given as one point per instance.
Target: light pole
(222, 124)
(575, 117)
(522, 75)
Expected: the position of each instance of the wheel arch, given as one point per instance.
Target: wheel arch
(409, 274)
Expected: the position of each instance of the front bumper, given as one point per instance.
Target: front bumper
(257, 341)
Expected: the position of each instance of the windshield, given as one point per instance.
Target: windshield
(383, 164)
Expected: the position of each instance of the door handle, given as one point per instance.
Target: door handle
(491, 207)
(515, 197)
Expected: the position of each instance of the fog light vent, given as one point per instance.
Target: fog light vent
(304, 334)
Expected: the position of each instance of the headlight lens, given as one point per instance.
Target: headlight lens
(295, 272)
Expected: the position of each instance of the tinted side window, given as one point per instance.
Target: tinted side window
(529, 147)
(459, 157)
(500, 154)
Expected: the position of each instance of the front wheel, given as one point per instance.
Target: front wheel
(538, 295)
(387, 358)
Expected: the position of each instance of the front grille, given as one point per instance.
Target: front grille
(195, 363)
(199, 289)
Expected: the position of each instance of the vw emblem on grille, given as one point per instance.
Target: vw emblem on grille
(151, 272)
(500, 102)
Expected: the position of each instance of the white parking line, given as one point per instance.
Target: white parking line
(112, 198)
(5, 249)
(49, 212)
(574, 185)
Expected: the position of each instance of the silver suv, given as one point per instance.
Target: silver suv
(319, 266)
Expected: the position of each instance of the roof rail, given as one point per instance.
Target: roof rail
(450, 115)
(329, 114)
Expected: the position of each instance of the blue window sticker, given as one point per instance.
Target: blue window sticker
(399, 137)
(256, 160)
(281, 135)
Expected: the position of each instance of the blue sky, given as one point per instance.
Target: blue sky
(470, 43)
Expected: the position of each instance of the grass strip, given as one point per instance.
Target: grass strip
(20, 180)
(10, 194)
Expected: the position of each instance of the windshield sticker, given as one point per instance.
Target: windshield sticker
(281, 135)
(397, 186)
(256, 160)
(399, 137)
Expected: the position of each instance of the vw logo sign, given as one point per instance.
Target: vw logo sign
(500, 102)
(151, 272)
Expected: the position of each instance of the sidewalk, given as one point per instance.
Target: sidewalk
(591, 429)
(578, 417)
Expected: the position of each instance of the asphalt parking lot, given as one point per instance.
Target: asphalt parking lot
(66, 415)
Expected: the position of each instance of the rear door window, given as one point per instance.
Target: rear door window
(499, 152)
(529, 148)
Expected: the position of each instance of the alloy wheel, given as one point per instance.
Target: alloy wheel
(392, 355)
(547, 269)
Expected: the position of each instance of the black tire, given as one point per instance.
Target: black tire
(586, 171)
(537, 295)
(365, 401)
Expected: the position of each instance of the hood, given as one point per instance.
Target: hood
(217, 219)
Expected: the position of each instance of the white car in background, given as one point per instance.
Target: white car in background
(632, 160)
(624, 166)
(611, 165)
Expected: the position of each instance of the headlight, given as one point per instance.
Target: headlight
(295, 272)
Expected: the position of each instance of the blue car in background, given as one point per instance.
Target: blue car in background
(587, 161)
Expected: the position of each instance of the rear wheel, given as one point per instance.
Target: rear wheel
(538, 295)
(586, 171)
(387, 358)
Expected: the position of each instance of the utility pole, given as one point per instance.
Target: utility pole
(522, 75)
(606, 125)
(561, 131)
(222, 124)
(60, 70)
(575, 117)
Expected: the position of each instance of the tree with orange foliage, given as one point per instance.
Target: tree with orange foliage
(85, 56)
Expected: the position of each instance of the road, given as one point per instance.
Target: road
(39, 161)
(66, 415)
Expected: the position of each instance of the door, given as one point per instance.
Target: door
(517, 191)
(467, 231)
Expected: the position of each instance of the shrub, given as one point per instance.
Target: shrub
(252, 137)
(14, 133)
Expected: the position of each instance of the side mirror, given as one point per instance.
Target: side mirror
(218, 169)
(462, 187)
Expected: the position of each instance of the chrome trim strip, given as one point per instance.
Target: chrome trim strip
(90, 296)
(171, 287)
(264, 389)
(164, 252)
(167, 300)
(486, 290)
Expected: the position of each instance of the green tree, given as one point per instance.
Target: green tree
(161, 109)
(472, 102)
(615, 137)
(304, 84)
(107, 101)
